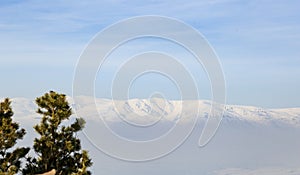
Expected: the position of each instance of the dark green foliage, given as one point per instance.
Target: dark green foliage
(57, 147)
(10, 160)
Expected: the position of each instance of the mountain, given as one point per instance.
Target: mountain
(145, 110)
(250, 140)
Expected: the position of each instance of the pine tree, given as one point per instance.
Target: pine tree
(10, 160)
(58, 146)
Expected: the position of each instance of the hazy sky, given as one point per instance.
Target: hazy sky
(257, 42)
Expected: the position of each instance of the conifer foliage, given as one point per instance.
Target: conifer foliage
(10, 160)
(58, 146)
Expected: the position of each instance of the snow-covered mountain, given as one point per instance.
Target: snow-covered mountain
(146, 111)
(250, 140)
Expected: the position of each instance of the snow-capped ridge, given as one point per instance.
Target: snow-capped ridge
(139, 110)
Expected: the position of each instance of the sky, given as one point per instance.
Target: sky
(257, 43)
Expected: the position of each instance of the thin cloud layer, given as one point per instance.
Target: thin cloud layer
(262, 171)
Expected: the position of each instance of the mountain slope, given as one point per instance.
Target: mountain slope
(141, 110)
(250, 140)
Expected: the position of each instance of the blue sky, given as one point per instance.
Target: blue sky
(257, 42)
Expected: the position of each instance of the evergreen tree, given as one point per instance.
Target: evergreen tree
(58, 146)
(10, 160)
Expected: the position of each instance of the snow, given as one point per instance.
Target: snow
(142, 111)
(248, 142)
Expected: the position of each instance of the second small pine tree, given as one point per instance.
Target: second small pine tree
(58, 147)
